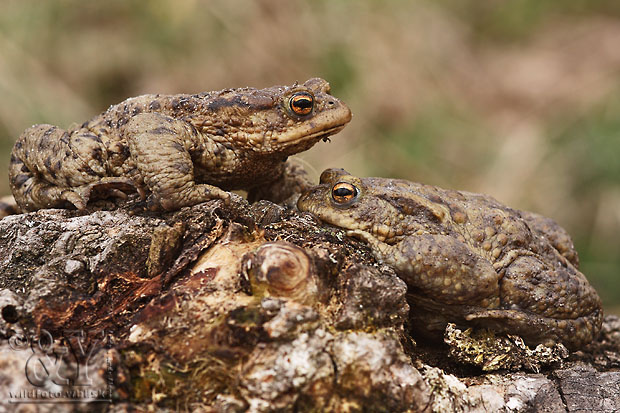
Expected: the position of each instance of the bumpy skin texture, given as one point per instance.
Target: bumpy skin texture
(179, 149)
(465, 257)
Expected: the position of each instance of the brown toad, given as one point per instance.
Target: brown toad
(180, 149)
(465, 257)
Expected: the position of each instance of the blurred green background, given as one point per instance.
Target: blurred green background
(516, 99)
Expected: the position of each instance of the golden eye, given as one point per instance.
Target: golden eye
(301, 103)
(343, 192)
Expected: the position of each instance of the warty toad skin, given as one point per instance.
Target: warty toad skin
(465, 257)
(179, 150)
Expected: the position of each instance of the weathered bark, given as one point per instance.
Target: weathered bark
(244, 308)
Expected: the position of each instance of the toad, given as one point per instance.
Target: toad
(179, 150)
(465, 257)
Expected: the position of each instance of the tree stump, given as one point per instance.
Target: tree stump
(241, 308)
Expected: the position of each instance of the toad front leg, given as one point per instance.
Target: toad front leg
(440, 267)
(160, 148)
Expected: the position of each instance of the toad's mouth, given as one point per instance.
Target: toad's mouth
(311, 137)
(326, 133)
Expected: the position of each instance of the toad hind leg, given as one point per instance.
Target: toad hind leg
(51, 167)
(555, 234)
(160, 147)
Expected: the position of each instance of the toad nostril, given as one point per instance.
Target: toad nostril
(331, 102)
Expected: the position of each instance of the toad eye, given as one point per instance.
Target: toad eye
(343, 192)
(301, 103)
